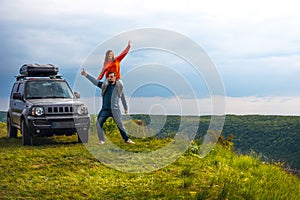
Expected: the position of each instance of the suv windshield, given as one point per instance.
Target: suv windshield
(47, 89)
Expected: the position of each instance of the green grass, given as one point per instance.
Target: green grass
(60, 168)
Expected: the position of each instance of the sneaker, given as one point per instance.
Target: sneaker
(101, 142)
(129, 141)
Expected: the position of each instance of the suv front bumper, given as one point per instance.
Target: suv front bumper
(59, 125)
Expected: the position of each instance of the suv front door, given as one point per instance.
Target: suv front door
(17, 105)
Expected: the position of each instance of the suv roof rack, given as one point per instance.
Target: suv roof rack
(19, 77)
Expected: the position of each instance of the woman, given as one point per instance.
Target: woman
(112, 64)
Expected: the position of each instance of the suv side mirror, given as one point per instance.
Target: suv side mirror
(77, 94)
(17, 95)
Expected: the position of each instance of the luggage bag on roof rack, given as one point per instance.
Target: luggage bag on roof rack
(38, 70)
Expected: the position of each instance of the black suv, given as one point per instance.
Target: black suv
(43, 104)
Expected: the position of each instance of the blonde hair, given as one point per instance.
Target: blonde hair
(106, 56)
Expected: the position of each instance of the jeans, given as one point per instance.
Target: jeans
(116, 115)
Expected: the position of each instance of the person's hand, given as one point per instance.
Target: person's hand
(83, 72)
(126, 112)
(129, 43)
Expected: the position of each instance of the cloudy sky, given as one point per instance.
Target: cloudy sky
(254, 45)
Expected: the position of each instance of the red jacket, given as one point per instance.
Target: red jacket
(113, 66)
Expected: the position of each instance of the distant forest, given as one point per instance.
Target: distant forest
(2, 116)
(274, 138)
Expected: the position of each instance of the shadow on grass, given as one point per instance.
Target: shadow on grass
(39, 141)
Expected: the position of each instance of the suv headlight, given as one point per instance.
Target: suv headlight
(82, 110)
(37, 111)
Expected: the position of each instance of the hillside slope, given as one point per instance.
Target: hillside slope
(276, 138)
(60, 168)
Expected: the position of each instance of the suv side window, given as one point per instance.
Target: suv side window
(15, 88)
(21, 88)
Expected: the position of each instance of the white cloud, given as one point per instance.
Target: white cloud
(45, 46)
(284, 105)
(221, 11)
(257, 40)
(272, 105)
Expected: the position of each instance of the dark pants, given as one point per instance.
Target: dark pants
(116, 115)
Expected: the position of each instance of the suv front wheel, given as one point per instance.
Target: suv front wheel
(27, 136)
(11, 131)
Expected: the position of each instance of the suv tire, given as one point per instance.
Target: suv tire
(27, 136)
(12, 132)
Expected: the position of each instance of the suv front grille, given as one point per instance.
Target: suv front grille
(59, 110)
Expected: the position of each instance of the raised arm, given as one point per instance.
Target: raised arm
(91, 78)
(124, 52)
(102, 73)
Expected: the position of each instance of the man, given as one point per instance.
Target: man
(110, 105)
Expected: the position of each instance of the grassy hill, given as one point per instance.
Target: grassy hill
(276, 138)
(60, 168)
